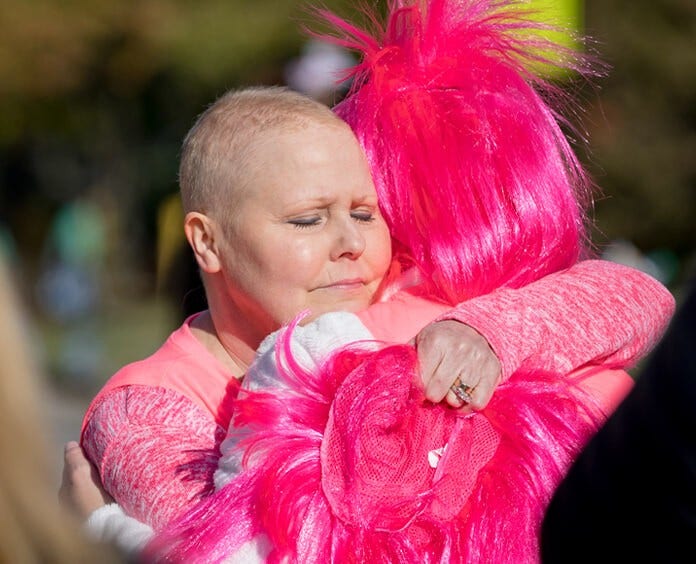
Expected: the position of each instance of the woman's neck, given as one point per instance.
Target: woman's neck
(227, 345)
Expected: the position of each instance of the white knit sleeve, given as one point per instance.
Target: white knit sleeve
(110, 525)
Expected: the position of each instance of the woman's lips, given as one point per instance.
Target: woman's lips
(347, 284)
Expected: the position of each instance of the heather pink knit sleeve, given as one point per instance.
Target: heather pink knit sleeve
(156, 451)
(595, 312)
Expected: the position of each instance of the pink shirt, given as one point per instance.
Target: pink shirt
(183, 364)
(153, 431)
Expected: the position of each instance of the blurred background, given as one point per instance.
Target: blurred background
(96, 96)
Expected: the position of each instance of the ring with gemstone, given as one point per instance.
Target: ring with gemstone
(462, 391)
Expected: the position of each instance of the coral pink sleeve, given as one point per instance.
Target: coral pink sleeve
(594, 312)
(155, 449)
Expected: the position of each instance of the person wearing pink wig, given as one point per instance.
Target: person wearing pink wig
(148, 446)
(345, 460)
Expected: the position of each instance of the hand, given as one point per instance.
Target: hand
(449, 352)
(81, 490)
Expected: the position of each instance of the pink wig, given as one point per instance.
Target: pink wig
(475, 176)
(339, 468)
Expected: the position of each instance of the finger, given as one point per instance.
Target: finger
(74, 460)
(440, 367)
(460, 395)
(481, 395)
(479, 399)
(444, 376)
(72, 455)
(456, 402)
(439, 385)
(433, 374)
(72, 450)
(484, 388)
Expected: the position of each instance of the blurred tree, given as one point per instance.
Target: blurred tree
(643, 123)
(95, 96)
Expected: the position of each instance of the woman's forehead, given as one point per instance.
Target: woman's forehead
(317, 149)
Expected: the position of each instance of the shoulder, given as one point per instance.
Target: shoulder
(178, 351)
(143, 410)
(181, 365)
(402, 316)
(147, 405)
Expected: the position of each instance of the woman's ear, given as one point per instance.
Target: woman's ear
(202, 235)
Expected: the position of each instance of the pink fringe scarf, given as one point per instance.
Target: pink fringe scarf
(337, 468)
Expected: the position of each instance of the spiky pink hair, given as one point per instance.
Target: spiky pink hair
(477, 180)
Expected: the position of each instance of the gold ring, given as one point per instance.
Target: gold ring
(462, 391)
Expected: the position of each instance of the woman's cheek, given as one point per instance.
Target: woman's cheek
(306, 254)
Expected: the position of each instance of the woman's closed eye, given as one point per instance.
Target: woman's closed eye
(363, 216)
(305, 222)
(309, 221)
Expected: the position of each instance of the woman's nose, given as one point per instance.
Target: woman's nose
(350, 242)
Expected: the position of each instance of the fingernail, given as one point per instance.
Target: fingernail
(70, 445)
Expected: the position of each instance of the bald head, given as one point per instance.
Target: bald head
(217, 152)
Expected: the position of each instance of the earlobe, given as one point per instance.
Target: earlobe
(201, 234)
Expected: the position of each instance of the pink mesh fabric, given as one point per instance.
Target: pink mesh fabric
(380, 439)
